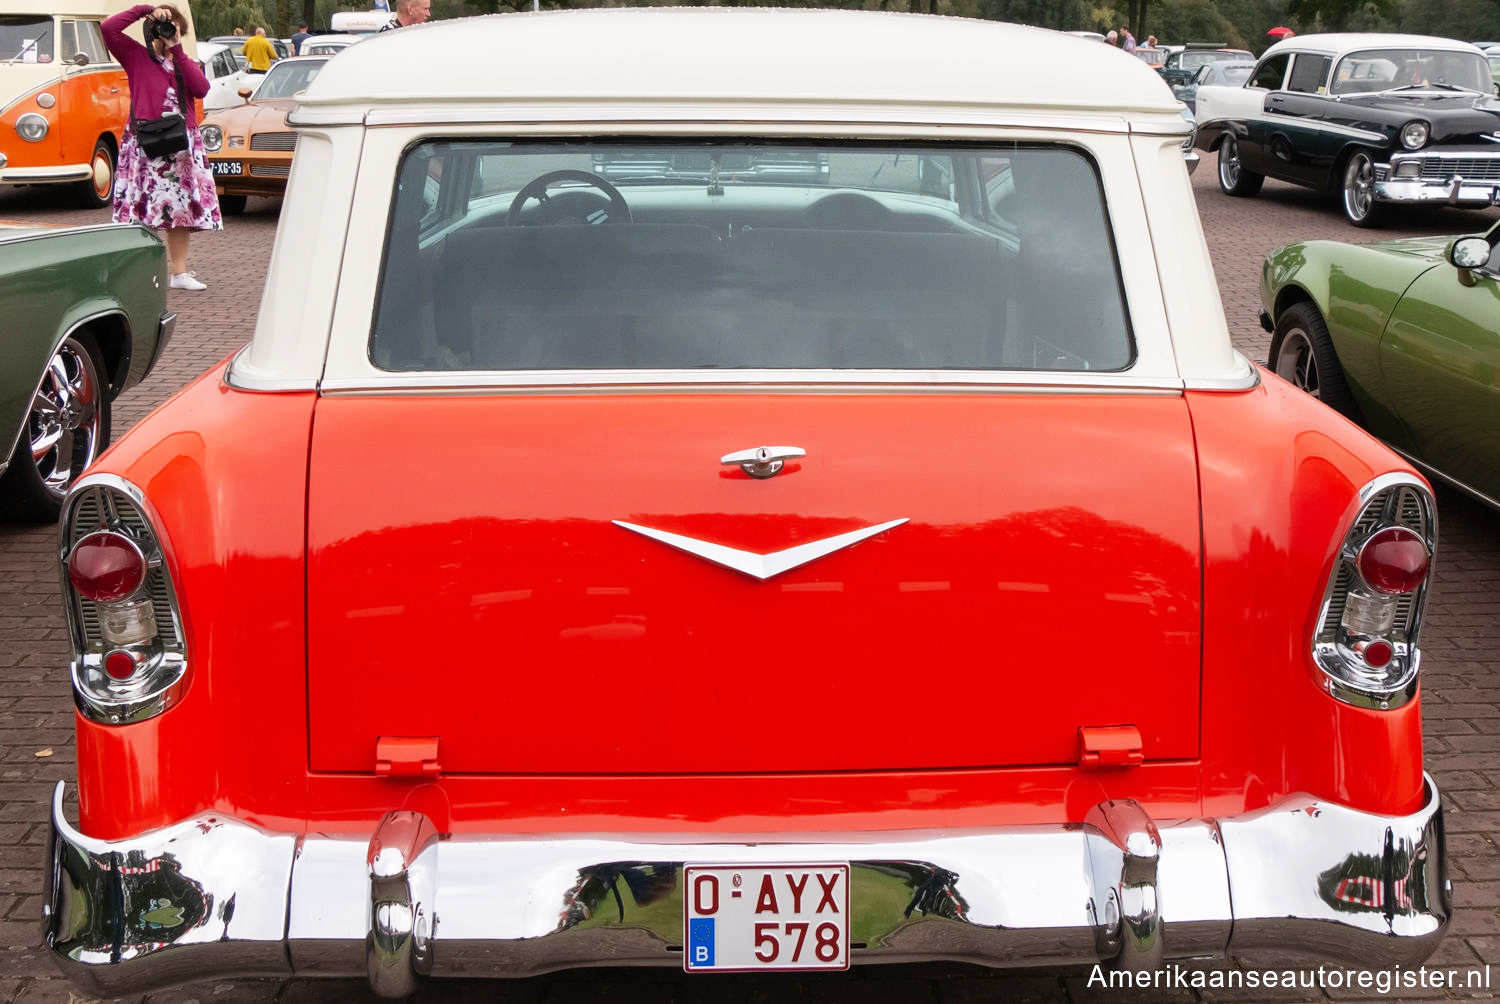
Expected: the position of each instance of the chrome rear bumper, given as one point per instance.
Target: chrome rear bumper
(214, 897)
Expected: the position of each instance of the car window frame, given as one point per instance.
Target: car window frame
(1266, 61)
(1320, 85)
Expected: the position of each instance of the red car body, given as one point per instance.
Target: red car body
(469, 599)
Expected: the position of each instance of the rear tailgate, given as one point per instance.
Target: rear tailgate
(467, 580)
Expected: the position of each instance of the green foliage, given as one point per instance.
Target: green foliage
(1179, 21)
(1335, 15)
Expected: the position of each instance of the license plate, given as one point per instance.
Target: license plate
(227, 167)
(739, 918)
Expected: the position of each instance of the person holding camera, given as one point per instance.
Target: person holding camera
(163, 179)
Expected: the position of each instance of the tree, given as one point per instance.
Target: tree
(1334, 15)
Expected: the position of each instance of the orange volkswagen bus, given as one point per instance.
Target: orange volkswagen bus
(63, 98)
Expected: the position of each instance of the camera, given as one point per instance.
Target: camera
(160, 29)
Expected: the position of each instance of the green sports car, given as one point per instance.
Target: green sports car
(83, 315)
(1403, 337)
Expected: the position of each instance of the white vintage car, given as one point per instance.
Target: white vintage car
(732, 565)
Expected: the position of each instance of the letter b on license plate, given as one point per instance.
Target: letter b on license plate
(758, 917)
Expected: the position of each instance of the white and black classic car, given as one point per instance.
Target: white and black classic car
(1373, 118)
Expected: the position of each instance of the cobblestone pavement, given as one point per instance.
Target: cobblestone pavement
(1461, 639)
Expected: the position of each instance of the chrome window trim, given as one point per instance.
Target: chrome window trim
(767, 117)
(754, 380)
(48, 230)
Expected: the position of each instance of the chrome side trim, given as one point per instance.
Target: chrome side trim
(1472, 492)
(1295, 875)
(21, 237)
(165, 326)
(47, 175)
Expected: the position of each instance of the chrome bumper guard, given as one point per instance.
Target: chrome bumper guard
(216, 897)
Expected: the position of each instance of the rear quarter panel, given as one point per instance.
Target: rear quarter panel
(231, 507)
(1280, 477)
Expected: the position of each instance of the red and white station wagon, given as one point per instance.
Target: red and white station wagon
(734, 569)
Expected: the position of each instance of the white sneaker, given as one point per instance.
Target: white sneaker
(185, 280)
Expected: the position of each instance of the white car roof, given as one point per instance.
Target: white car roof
(627, 57)
(1333, 43)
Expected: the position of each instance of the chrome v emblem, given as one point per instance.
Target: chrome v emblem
(761, 566)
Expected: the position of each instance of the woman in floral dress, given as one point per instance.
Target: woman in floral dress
(174, 193)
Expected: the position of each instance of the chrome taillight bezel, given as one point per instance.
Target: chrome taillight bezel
(1391, 500)
(108, 502)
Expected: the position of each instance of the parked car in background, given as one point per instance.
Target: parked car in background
(1215, 74)
(226, 77)
(85, 317)
(1377, 120)
(250, 146)
(1153, 56)
(1401, 337)
(775, 468)
(63, 98)
(328, 45)
(1494, 60)
(1182, 62)
(236, 45)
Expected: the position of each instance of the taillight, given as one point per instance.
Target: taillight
(129, 659)
(106, 567)
(1393, 561)
(1366, 640)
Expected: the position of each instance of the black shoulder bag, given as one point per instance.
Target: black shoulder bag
(162, 137)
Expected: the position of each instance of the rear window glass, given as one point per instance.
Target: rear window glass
(736, 255)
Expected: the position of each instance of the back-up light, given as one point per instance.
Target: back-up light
(129, 661)
(1366, 640)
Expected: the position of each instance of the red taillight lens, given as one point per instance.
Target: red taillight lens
(1394, 561)
(106, 567)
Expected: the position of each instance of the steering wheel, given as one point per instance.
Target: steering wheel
(572, 206)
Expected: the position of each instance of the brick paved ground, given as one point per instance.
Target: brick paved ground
(1462, 689)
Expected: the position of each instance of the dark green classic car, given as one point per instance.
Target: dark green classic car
(85, 315)
(1403, 337)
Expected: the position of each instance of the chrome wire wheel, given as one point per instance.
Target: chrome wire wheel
(1359, 189)
(1297, 363)
(1229, 164)
(1234, 179)
(66, 423)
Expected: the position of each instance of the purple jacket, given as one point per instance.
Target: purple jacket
(148, 79)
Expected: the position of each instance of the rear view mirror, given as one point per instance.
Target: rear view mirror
(1469, 252)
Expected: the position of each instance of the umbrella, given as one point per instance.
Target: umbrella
(1280, 32)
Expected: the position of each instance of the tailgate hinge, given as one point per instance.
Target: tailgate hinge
(407, 756)
(1109, 746)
